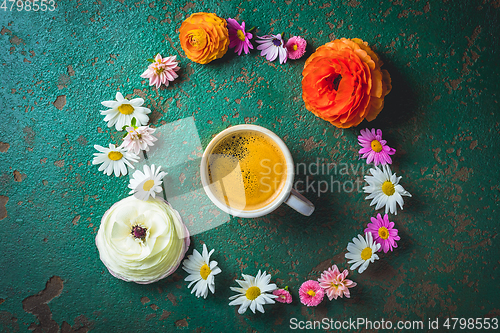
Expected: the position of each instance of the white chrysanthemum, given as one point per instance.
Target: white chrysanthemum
(253, 292)
(114, 159)
(385, 190)
(122, 111)
(201, 272)
(147, 183)
(362, 252)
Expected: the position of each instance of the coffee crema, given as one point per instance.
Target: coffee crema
(247, 170)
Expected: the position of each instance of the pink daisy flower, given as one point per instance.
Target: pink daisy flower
(374, 148)
(238, 38)
(138, 138)
(296, 47)
(161, 71)
(271, 46)
(335, 283)
(311, 294)
(383, 232)
(284, 296)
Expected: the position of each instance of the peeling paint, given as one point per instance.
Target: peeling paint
(4, 147)
(60, 101)
(3, 209)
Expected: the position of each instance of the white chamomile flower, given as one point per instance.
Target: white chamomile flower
(122, 111)
(385, 190)
(147, 183)
(362, 252)
(114, 159)
(253, 292)
(201, 272)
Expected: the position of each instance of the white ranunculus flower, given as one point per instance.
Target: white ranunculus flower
(142, 241)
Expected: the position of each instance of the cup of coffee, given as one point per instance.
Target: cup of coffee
(248, 171)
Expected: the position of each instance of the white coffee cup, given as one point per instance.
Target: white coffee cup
(287, 195)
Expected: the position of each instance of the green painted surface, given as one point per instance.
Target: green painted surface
(441, 116)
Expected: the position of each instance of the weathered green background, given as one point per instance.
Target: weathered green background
(441, 116)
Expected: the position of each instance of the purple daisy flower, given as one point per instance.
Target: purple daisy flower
(238, 38)
(271, 46)
(383, 232)
(374, 148)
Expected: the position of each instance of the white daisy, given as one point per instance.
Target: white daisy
(385, 190)
(114, 159)
(362, 252)
(147, 183)
(122, 111)
(253, 292)
(201, 271)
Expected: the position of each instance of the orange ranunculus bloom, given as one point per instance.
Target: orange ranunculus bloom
(342, 83)
(204, 37)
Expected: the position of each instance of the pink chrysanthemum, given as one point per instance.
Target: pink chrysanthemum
(296, 47)
(383, 232)
(335, 283)
(311, 294)
(138, 138)
(284, 296)
(272, 46)
(238, 37)
(161, 71)
(374, 148)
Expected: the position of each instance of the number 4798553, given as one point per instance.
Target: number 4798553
(30, 5)
(471, 323)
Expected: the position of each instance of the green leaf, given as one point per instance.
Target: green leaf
(133, 122)
(151, 60)
(124, 128)
(124, 135)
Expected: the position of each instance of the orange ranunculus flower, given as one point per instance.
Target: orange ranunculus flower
(204, 37)
(342, 83)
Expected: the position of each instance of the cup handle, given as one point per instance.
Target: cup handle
(298, 202)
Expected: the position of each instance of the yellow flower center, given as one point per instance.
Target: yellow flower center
(126, 109)
(311, 293)
(197, 38)
(240, 35)
(205, 271)
(115, 155)
(376, 146)
(252, 293)
(334, 285)
(295, 47)
(148, 185)
(388, 188)
(366, 253)
(383, 233)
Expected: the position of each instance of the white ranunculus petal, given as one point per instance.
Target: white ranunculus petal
(120, 230)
